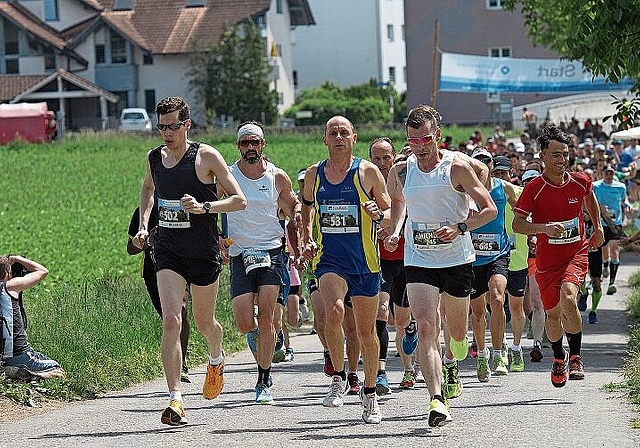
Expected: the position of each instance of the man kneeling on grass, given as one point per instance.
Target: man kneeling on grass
(19, 359)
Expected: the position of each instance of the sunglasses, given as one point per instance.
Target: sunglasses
(424, 140)
(171, 127)
(252, 142)
(485, 160)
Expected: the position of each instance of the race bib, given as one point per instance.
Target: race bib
(172, 215)
(571, 232)
(424, 236)
(339, 218)
(254, 259)
(486, 244)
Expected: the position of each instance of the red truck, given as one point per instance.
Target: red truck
(31, 122)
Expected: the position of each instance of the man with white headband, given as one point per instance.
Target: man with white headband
(256, 254)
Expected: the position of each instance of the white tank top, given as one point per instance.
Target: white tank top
(431, 203)
(257, 226)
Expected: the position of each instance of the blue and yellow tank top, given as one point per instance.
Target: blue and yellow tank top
(491, 240)
(347, 237)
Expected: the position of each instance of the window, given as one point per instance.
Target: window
(12, 66)
(123, 5)
(147, 59)
(500, 52)
(118, 49)
(100, 55)
(49, 62)
(51, 10)
(295, 78)
(194, 3)
(11, 42)
(404, 74)
(390, 33)
(494, 4)
(392, 74)
(279, 6)
(150, 100)
(280, 98)
(403, 32)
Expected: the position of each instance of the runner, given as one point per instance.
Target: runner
(554, 202)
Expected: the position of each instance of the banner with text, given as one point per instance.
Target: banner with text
(469, 73)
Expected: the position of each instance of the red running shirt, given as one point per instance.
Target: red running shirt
(548, 203)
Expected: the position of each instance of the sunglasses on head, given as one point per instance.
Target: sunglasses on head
(424, 140)
(171, 127)
(252, 142)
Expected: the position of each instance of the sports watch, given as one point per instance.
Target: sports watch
(207, 207)
(462, 227)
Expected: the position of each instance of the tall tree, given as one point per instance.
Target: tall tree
(233, 75)
(602, 34)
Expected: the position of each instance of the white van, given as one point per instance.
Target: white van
(135, 119)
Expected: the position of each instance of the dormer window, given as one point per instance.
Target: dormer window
(123, 5)
(195, 3)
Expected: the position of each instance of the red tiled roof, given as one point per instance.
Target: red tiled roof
(12, 85)
(168, 27)
(25, 19)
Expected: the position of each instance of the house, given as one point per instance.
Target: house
(92, 58)
(353, 42)
(479, 27)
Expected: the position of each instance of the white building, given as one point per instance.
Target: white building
(353, 42)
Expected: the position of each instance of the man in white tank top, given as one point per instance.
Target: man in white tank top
(433, 189)
(256, 253)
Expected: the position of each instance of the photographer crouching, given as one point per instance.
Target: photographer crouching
(19, 360)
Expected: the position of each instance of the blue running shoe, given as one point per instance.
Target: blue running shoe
(252, 340)
(410, 339)
(263, 394)
(582, 300)
(279, 341)
(382, 384)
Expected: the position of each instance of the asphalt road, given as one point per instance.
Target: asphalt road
(520, 409)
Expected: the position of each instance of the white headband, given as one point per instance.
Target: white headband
(250, 129)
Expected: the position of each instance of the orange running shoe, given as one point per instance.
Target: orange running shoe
(214, 381)
(560, 370)
(173, 414)
(576, 369)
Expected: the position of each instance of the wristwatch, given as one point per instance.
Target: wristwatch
(207, 207)
(462, 227)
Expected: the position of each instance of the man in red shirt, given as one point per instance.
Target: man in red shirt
(551, 208)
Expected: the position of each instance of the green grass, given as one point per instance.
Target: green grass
(67, 205)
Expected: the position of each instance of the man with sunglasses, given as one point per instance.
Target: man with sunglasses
(554, 201)
(257, 252)
(433, 189)
(347, 196)
(180, 182)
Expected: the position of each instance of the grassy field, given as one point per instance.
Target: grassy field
(67, 205)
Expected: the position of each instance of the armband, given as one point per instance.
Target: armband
(309, 203)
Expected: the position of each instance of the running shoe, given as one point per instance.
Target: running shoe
(371, 411)
(279, 341)
(32, 365)
(517, 361)
(576, 368)
(482, 369)
(382, 384)
(605, 272)
(408, 380)
(304, 310)
(499, 367)
(452, 387)
(353, 384)
(173, 414)
(184, 373)
(333, 399)
(279, 356)
(460, 349)
(473, 349)
(263, 394)
(289, 354)
(582, 300)
(536, 352)
(593, 317)
(560, 370)
(419, 377)
(410, 338)
(252, 340)
(438, 413)
(328, 365)
(612, 289)
(214, 380)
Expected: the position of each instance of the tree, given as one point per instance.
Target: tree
(233, 75)
(602, 34)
